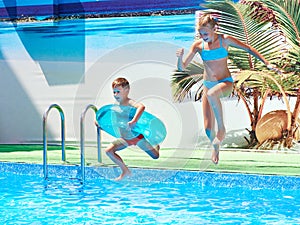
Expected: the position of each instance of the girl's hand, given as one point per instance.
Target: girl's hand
(180, 52)
(274, 68)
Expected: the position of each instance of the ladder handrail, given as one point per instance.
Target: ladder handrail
(82, 152)
(63, 152)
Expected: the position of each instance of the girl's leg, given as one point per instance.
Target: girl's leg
(208, 116)
(111, 153)
(148, 148)
(213, 95)
(209, 124)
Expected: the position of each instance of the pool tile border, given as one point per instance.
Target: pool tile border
(230, 180)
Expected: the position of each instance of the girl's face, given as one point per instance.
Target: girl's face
(207, 33)
(120, 93)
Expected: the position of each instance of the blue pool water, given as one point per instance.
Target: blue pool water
(148, 197)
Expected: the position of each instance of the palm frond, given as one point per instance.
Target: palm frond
(287, 14)
(287, 20)
(184, 81)
(252, 79)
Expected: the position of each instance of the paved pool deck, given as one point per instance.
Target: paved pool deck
(273, 162)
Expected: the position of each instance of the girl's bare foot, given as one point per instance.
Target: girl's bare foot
(219, 137)
(125, 173)
(215, 154)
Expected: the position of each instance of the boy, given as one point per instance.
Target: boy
(121, 89)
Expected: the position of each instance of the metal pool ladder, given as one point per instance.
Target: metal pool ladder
(63, 152)
(82, 152)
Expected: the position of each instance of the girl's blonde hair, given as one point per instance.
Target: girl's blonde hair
(206, 19)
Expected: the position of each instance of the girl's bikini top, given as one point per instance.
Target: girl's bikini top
(214, 54)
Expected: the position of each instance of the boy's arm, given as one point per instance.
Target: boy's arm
(140, 108)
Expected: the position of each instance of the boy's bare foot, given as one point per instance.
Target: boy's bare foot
(215, 155)
(125, 173)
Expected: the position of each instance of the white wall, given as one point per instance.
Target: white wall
(80, 72)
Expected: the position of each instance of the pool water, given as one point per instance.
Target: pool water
(174, 198)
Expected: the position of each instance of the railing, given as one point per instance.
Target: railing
(82, 152)
(62, 117)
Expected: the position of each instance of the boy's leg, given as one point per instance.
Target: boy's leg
(111, 153)
(148, 148)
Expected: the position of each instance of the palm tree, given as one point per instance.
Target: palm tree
(285, 16)
(241, 21)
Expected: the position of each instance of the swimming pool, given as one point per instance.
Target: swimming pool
(150, 196)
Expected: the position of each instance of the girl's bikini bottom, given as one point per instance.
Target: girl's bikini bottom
(210, 84)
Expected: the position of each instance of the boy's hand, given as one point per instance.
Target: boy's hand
(97, 125)
(131, 123)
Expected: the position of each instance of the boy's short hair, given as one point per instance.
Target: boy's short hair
(120, 82)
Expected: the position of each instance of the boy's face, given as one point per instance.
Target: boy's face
(120, 93)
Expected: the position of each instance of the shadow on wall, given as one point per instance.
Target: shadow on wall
(58, 47)
(11, 8)
(60, 52)
(16, 108)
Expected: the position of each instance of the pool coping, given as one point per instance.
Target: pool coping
(145, 175)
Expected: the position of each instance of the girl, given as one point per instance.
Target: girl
(218, 83)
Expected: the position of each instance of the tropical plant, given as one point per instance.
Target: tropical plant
(184, 81)
(270, 85)
(262, 31)
(285, 16)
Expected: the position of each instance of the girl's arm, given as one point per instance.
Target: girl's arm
(182, 64)
(231, 41)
